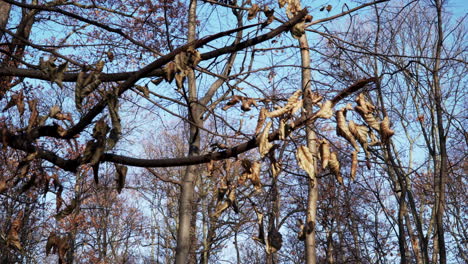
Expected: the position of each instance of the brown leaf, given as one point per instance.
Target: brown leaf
(68, 210)
(292, 103)
(143, 89)
(253, 12)
(324, 152)
(305, 160)
(261, 120)
(270, 16)
(325, 111)
(342, 129)
(120, 175)
(110, 55)
(334, 166)
(264, 145)
(247, 104)
(354, 164)
(329, 8)
(298, 30)
(251, 172)
(13, 233)
(170, 71)
(385, 131)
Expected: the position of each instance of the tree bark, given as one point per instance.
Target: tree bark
(310, 243)
(186, 232)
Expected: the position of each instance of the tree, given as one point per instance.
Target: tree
(81, 101)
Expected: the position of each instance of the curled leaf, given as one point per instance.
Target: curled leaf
(282, 129)
(261, 120)
(342, 129)
(252, 173)
(325, 111)
(298, 30)
(324, 152)
(354, 164)
(334, 166)
(292, 104)
(385, 131)
(306, 160)
(253, 12)
(169, 71)
(13, 234)
(120, 175)
(264, 145)
(247, 104)
(143, 89)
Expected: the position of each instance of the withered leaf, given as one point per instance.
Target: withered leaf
(292, 103)
(325, 111)
(247, 104)
(253, 12)
(261, 120)
(354, 164)
(68, 210)
(120, 175)
(342, 129)
(334, 166)
(324, 152)
(13, 234)
(305, 160)
(385, 131)
(143, 89)
(264, 145)
(298, 30)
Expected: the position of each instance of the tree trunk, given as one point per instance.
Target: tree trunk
(310, 243)
(186, 232)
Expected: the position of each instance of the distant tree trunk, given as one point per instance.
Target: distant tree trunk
(440, 177)
(310, 243)
(186, 232)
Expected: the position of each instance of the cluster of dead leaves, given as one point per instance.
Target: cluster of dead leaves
(183, 64)
(58, 245)
(246, 103)
(54, 73)
(273, 241)
(86, 83)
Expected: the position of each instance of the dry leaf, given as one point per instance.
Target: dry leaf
(385, 131)
(354, 164)
(324, 153)
(110, 55)
(261, 120)
(325, 111)
(282, 129)
(120, 175)
(169, 71)
(329, 8)
(342, 129)
(143, 89)
(68, 210)
(290, 105)
(264, 145)
(253, 12)
(247, 104)
(305, 160)
(251, 172)
(13, 233)
(334, 166)
(298, 30)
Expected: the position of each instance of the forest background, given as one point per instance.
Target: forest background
(233, 131)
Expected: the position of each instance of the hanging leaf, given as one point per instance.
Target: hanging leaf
(110, 55)
(282, 129)
(33, 117)
(116, 131)
(275, 241)
(170, 71)
(253, 12)
(85, 85)
(325, 111)
(261, 233)
(292, 103)
(354, 164)
(334, 166)
(329, 8)
(13, 234)
(342, 129)
(68, 210)
(120, 175)
(264, 145)
(298, 30)
(324, 153)
(247, 104)
(306, 160)
(251, 172)
(385, 131)
(261, 120)
(281, 3)
(143, 89)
